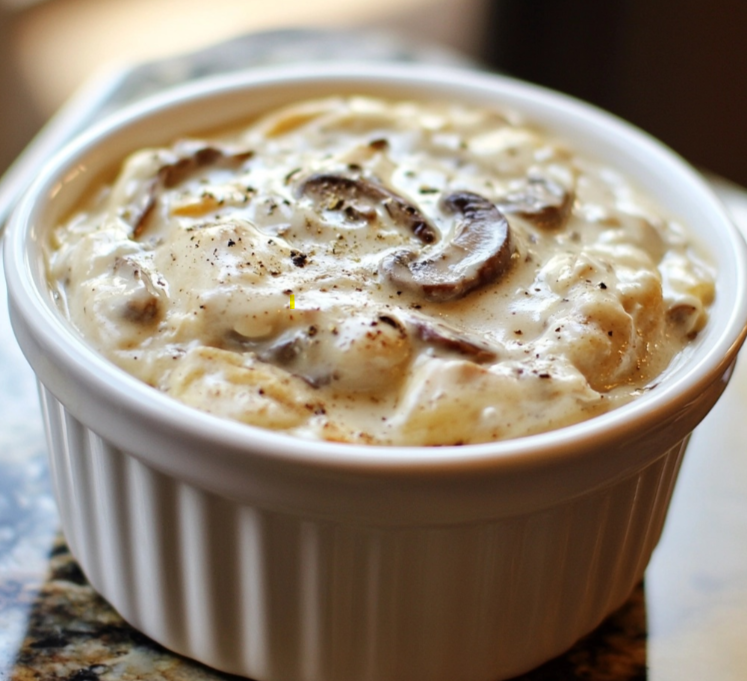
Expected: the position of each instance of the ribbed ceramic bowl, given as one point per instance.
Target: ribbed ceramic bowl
(282, 559)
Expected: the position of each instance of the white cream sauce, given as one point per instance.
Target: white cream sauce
(182, 273)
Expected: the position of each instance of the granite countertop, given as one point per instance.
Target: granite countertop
(688, 624)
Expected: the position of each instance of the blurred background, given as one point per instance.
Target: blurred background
(676, 69)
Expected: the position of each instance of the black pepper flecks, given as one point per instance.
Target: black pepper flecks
(299, 259)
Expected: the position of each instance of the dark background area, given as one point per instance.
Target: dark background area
(676, 68)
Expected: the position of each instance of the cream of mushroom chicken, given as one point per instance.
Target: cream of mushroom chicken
(360, 270)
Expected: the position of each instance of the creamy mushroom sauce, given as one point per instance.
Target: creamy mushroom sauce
(359, 270)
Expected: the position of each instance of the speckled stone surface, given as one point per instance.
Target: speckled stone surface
(28, 517)
(72, 633)
(691, 625)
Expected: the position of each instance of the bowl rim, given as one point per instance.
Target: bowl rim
(575, 442)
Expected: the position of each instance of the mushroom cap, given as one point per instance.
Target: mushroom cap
(542, 201)
(479, 253)
(335, 191)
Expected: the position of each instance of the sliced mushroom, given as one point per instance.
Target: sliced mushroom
(479, 253)
(179, 163)
(144, 310)
(686, 318)
(354, 353)
(338, 192)
(287, 349)
(142, 206)
(542, 201)
(447, 338)
(141, 298)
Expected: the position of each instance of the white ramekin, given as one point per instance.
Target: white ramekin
(283, 559)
